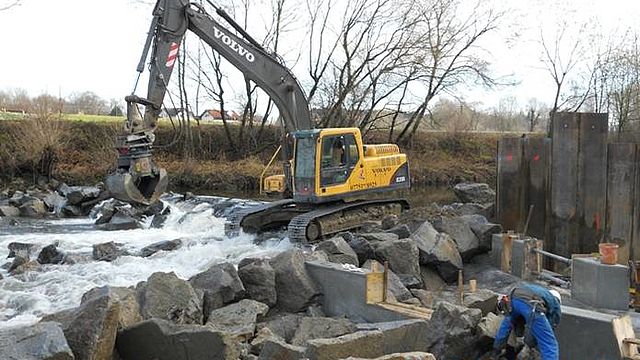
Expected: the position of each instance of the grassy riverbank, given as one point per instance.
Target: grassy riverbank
(84, 154)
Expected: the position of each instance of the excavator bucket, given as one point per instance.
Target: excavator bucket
(142, 190)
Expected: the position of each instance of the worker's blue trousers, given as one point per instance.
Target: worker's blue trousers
(536, 323)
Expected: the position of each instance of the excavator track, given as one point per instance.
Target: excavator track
(238, 220)
(316, 224)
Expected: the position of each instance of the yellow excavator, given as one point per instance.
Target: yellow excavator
(331, 182)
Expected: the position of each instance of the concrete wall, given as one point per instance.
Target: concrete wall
(344, 293)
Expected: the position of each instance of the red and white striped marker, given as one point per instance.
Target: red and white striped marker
(173, 54)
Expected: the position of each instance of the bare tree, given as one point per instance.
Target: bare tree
(451, 53)
(8, 4)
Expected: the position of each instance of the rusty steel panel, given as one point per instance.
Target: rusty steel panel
(592, 181)
(635, 243)
(620, 197)
(536, 160)
(564, 182)
(510, 184)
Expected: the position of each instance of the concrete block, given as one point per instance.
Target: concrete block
(599, 285)
(584, 334)
(344, 293)
(518, 258)
(496, 249)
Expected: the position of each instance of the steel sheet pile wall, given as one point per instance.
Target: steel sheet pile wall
(620, 197)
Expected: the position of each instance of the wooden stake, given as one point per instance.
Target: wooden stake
(386, 278)
(473, 286)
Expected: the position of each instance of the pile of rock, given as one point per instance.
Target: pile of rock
(51, 199)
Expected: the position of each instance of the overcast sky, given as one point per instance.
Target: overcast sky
(66, 46)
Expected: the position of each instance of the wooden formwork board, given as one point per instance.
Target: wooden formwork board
(620, 200)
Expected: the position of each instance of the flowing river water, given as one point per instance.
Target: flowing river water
(25, 298)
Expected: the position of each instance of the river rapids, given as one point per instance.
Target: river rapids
(25, 298)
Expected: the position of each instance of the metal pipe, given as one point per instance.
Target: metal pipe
(553, 279)
(553, 256)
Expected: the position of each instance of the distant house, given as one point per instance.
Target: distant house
(216, 115)
(176, 112)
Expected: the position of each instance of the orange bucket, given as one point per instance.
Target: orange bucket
(608, 253)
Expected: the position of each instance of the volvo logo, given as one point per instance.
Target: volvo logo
(233, 44)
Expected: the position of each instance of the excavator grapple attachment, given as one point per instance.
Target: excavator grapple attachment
(137, 189)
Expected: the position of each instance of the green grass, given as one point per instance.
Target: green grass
(93, 118)
(11, 116)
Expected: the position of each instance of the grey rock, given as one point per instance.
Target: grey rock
(402, 231)
(42, 341)
(259, 280)
(424, 296)
(158, 339)
(431, 279)
(488, 328)
(317, 255)
(129, 312)
(277, 349)
(54, 202)
(123, 219)
(401, 336)
(50, 255)
(411, 281)
(389, 221)
(20, 249)
(338, 251)
(362, 248)
(452, 331)
(483, 299)
(402, 255)
(483, 230)
(295, 288)
(485, 210)
(9, 211)
(167, 245)
(379, 236)
(321, 328)
(262, 336)
(79, 194)
(17, 262)
(220, 284)
(460, 231)
(283, 326)
(165, 296)
(439, 250)
(365, 344)
(237, 320)
(474, 193)
(33, 208)
(108, 251)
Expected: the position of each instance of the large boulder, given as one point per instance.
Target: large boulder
(283, 326)
(124, 218)
(487, 330)
(165, 296)
(42, 341)
(262, 336)
(237, 320)
(79, 194)
(439, 250)
(158, 339)
(485, 210)
(401, 336)
(34, 208)
(379, 236)
(402, 231)
(431, 279)
(51, 255)
(483, 299)
(9, 211)
(108, 251)
(361, 247)
(338, 251)
(91, 328)
(20, 249)
(259, 280)
(54, 202)
(474, 193)
(129, 313)
(402, 255)
(483, 229)
(278, 349)
(365, 344)
(460, 231)
(295, 288)
(321, 328)
(452, 331)
(220, 284)
(166, 245)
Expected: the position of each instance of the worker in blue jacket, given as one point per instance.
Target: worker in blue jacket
(540, 310)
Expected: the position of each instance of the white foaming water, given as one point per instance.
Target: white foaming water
(24, 299)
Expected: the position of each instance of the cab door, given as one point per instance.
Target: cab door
(339, 156)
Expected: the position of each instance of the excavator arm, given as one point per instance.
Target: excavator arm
(138, 178)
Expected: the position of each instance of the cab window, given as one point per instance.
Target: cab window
(339, 157)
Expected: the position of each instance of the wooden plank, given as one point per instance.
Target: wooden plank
(592, 181)
(408, 310)
(536, 159)
(510, 184)
(507, 245)
(620, 199)
(564, 180)
(623, 330)
(375, 288)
